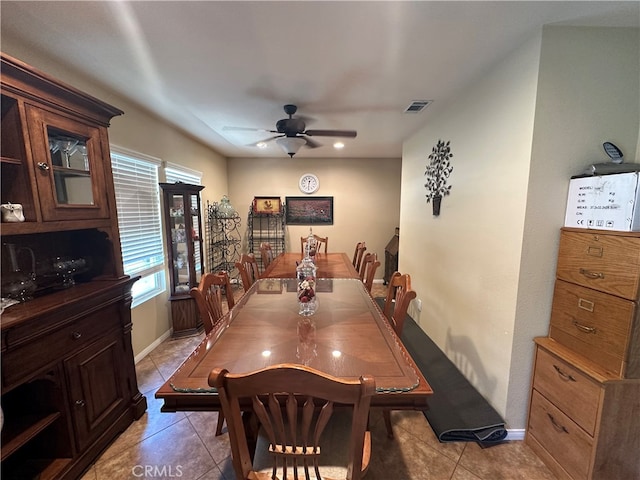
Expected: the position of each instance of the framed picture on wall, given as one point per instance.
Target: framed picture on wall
(309, 210)
(266, 205)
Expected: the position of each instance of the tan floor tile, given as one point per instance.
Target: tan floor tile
(462, 473)
(148, 375)
(204, 424)
(175, 452)
(506, 461)
(417, 425)
(152, 422)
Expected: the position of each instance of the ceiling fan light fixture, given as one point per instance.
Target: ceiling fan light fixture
(290, 145)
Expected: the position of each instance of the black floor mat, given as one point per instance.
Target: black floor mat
(457, 411)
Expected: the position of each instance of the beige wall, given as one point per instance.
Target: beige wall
(366, 196)
(486, 266)
(464, 264)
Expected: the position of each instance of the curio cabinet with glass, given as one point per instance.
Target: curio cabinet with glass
(183, 235)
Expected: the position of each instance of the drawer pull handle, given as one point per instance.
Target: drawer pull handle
(590, 274)
(556, 425)
(76, 335)
(80, 403)
(564, 375)
(584, 328)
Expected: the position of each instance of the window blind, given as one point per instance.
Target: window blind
(176, 173)
(138, 204)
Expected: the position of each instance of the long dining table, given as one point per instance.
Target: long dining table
(347, 337)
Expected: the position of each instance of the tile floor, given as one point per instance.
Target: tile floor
(183, 445)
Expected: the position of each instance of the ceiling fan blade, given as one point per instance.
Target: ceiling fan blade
(270, 139)
(248, 129)
(331, 133)
(312, 143)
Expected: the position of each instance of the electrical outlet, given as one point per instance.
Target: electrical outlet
(419, 304)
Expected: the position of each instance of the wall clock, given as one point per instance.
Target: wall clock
(308, 183)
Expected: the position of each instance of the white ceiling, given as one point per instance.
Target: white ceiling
(204, 65)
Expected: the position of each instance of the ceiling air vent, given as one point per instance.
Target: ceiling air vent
(417, 106)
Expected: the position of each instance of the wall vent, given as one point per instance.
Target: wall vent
(417, 106)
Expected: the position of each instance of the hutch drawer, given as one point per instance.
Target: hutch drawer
(606, 262)
(571, 391)
(23, 361)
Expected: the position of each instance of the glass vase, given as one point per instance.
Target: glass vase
(306, 276)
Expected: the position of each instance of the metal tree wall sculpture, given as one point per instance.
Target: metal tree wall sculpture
(437, 172)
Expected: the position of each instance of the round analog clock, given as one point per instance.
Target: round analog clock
(308, 183)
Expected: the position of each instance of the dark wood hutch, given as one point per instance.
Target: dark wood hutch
(68, 377)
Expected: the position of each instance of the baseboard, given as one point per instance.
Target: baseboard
(150, 348)
(515, 434)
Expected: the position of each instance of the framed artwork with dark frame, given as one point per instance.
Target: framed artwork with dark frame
(266, 205)
(309, 210)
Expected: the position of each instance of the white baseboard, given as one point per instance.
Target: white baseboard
(515, 434)
(150, 348)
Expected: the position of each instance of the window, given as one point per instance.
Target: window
(138, 202)
(176, 173)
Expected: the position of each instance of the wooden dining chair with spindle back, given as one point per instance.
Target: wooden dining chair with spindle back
(370, 264)
(396, 305)
(321, 243)
(294, 405)
(208, 297)
(266, 254)
(361, 247)
(248, 268)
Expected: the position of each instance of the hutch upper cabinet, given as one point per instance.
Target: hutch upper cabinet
(68, 378)
(183, 233)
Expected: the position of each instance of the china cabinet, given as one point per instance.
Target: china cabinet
(266, 227)
(585, 393)
(223, 239)
(183, 235)
(68, 378)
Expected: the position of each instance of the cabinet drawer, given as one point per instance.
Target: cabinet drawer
(563, 439)
(592, 323)
(604, 262)
(571, 391)
(19, 362)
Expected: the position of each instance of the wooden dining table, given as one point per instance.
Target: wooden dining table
(347, 337)
(328, 265)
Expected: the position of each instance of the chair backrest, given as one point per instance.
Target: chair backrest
(306, 397)
(399, 296)
(248, 268)
(266, 254)
(321, 243)
(370, 264)
(361, 247)
(208, 297)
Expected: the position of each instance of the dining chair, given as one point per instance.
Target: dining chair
(370, 264)
(361, 247)
(321, 243)
(396, 304)
(293, 404)
(248, 268)
(208, 297)
(266, 254)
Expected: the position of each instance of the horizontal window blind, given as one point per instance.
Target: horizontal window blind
(138, 204)
(176, 173)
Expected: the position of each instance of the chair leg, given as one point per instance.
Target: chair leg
(386, 413)
(220, 423)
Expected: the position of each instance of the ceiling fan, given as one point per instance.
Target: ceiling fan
(292, 134)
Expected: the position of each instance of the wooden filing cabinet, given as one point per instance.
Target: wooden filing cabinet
(584, 413)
